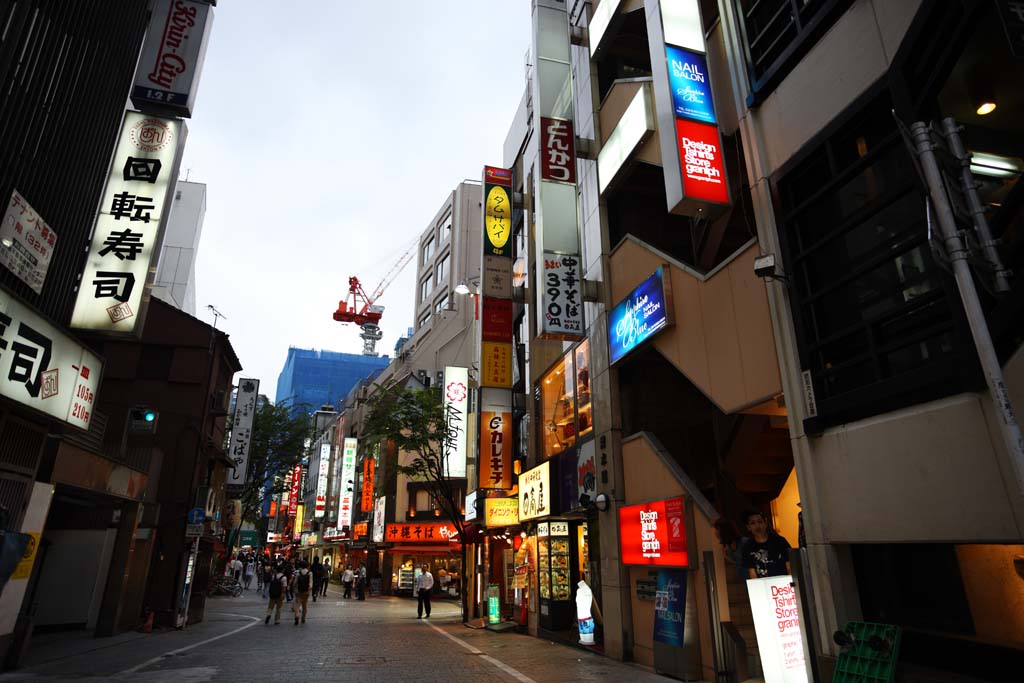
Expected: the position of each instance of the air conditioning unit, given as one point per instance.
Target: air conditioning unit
(439, 376)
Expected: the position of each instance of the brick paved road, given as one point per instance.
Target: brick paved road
(372, 641)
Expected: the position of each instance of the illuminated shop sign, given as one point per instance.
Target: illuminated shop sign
(654, 534)
(700, 155)
(295, 482)
(321, 480)
(379, 510)
(439, 532)
(499, 512)
(777, 625)
(456, 405)
(369, 475)
(691, 90)
(535, 492)
(348, 474)
(497, 211)
(496, 449)
(641, 315)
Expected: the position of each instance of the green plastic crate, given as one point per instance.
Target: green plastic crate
(861, 663)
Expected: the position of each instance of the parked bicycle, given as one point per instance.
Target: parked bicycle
(225, 585)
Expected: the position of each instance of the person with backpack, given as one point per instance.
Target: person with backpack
(317, 570)
(275, 589)
(303, 583)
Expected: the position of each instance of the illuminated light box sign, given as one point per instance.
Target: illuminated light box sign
(497, 211)
(691, 90)
(535, 492)
(641, 315)
(321, 480)
(700, 155)
(456, 407)
(435, 532)
(654, 534)
(777, 625)
(499, 512)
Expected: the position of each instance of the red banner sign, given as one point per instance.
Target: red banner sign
(700, 159)
(654, 534)
(558, 150)
(293, 495)
(496, 319)
(369, 471)
(440, 532)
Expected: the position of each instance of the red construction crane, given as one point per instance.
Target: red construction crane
(362, 310)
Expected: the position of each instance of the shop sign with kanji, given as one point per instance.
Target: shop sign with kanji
(563, 296)
(28, 243)
(240, 440)
(348, 474)
(439, 532)
(43, 368)
(130, 225)
(496, 365)
(495, 449)
(558, 155)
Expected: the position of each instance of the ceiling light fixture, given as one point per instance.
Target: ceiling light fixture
(986, 108)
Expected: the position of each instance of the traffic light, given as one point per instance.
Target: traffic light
(142, 420)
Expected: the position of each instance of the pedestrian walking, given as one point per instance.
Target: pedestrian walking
(346, 580)
(276, 589)
(327, 576)
(250, 570)
(361, 583)
(317, 570)
(303, 583)
(289, 570)
(268, 575)
(236, 569)
(424, 584)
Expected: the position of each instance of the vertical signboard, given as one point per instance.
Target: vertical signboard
(456, 406)
(295, 491)
(379, 510)
(496, 449)
(43, 368)
(130, 225)
(497, 188)
(321, 480)
(348, 476)
(691, 143)
(28, 243)
(535, 492)
(777, 625)
(556, 223)
(172, 55)
(241, 430)
(369, 473)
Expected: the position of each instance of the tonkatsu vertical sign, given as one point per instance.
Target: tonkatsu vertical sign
(167, 76)
(556, 230)
(691, 144)
(130, 225)
(241, 430)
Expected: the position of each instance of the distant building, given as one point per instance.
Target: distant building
(312, 378)
(176, 272)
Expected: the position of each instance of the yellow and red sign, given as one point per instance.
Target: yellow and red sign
(499, 512)
(360, 530)
(496, 365)
(369, 471)
(654, 533)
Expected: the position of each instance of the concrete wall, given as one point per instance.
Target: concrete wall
(73, 576)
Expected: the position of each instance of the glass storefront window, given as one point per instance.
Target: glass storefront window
(565, 401)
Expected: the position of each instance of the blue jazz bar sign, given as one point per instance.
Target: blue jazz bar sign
(639, 316)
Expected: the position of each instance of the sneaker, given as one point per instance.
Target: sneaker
(296, 621)
(267, 620)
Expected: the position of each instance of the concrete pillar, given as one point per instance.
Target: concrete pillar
(117, 578)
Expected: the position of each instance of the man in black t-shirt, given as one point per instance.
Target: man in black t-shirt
(765, 553)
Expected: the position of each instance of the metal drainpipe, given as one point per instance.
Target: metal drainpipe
(1008, 426)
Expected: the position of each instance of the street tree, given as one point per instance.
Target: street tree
(415, 423)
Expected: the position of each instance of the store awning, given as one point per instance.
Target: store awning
(422, 550)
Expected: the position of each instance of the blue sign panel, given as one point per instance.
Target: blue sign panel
(691, 90)
(670, 607)
(637, 317)
(196, 515)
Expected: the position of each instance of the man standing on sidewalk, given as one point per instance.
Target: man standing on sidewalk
(303, 585)
(317, 570)
(424, 584)
(346, 579)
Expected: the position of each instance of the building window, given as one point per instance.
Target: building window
(874, 316)
(428, 250)
(442, 303)
(426, 287)
(424, 320)
(777, 33)
(446, 228)
(442, 269)
(565, 403)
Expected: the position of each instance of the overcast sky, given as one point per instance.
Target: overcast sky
(329, 132)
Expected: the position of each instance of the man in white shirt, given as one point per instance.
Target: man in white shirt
(424, 584)
(346, 579)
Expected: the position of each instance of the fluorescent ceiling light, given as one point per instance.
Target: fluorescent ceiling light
(994, 165)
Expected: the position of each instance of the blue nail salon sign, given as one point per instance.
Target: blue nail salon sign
(691, 90)
(640, 315)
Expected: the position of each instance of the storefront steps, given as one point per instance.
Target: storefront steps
(743, 622)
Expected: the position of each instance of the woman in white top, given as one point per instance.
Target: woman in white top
(250, 570)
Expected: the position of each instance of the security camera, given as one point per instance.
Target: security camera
(764, 266)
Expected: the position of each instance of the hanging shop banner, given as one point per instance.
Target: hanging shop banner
(28, 243)
(496, 319)
(495, 449)
(369, 473)
(172, 56)
(323, 469)
(456, 408)
(646, 311)
(348, 477)
(535, 492)
(129, 229)
(240, 441)
(654, 534)
(295, 491)
(286, 495)
(670, 607)
(691, 90)
(496, 365)
(379, 510)
(497, 277)
(777, 625)
(563, 296)
(437, 532)
(501, 512)
(469, 506)
(690, 141)
(43, 368)
(555, 216)
(300, 522)
(359, 530)
(497, 211)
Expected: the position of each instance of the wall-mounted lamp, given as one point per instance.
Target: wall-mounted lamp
(601, 502)
(463, 287)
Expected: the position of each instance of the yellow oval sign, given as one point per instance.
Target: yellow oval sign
(498, 217)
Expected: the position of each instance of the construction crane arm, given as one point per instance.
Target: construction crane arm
(395, 270)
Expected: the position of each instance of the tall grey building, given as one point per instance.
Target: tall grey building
(176, 272)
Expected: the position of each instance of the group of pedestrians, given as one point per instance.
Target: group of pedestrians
(295, 581)
(242, 567)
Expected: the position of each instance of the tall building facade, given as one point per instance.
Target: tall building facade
(176, 271)
(312, 378)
